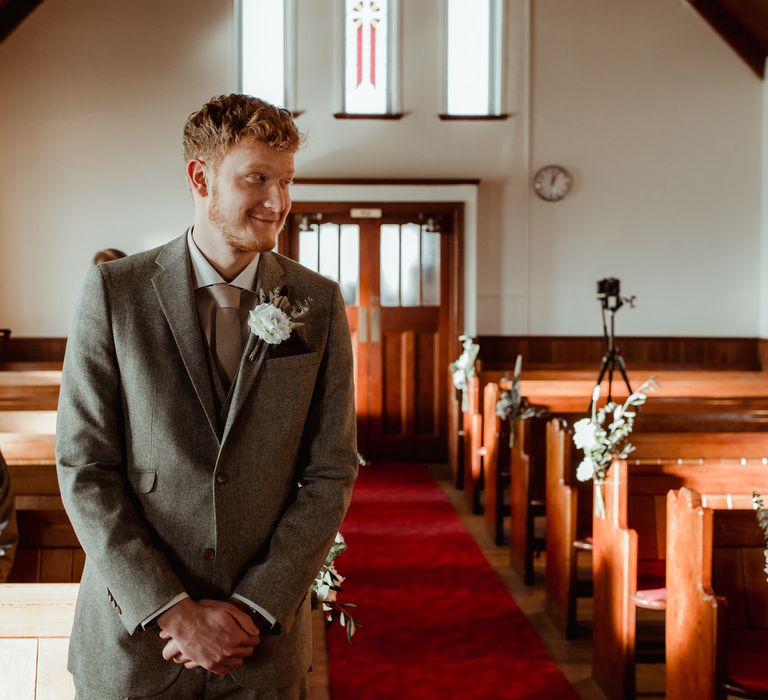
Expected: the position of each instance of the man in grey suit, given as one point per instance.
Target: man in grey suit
(185, 426)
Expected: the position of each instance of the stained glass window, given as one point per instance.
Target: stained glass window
(265, 35)
(369, 56)
(474, 57)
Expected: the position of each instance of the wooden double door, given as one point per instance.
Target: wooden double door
(397, 266)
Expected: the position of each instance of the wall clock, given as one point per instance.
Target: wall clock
(552, 183)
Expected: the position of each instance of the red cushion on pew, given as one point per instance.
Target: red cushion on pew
(651, 574)
(747, 654)
(652, 599)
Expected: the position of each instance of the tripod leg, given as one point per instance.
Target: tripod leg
(600, 376)
(623, 370)
(610, 377)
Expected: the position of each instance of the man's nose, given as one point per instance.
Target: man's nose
(275, 199)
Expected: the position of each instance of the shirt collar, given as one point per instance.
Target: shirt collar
(204, 274)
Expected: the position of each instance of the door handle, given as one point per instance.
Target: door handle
(375, 324)
(362, 324)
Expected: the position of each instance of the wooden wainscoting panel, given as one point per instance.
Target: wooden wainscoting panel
(639, 352)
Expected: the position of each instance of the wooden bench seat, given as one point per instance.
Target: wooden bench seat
(635, 528)
(35, 625)
(717, 623)
(48, 549)
(29, 390)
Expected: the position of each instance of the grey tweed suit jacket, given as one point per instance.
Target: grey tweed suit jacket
(169, 490)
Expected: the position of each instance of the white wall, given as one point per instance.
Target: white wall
(94, 96)
(656, 117)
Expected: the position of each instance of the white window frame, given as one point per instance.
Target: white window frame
(498, 31)
(290, 42)
(393, 61)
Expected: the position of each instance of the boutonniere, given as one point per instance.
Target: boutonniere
(273, 319)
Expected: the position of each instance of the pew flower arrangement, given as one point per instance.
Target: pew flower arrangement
(512, 406)
(463, 367)
(327, 584)
(601, 443)
(762, 521)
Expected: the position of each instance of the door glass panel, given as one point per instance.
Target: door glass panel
(430, 268)
(410, 235)
(308, 248)
(329, 251)
(390, 265)
(349, 279)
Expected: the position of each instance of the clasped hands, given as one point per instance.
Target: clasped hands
(212, 634)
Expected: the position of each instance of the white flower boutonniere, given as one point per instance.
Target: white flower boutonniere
(273, 319)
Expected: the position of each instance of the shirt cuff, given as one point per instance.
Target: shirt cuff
(269, 618)
(151, 618)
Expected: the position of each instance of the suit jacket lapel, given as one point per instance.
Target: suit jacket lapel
(270, 276)
(173, 286)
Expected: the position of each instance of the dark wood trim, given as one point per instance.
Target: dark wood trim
(13, 13)
(574, 352)
(21, 349)
(393, 116)
(735, 32)
(381, 181)
(473, 117)
(762, 350)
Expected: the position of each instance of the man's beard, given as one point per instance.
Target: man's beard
(242, 243)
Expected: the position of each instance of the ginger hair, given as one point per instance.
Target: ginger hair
(226, 120)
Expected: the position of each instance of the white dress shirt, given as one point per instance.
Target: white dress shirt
(204, 275)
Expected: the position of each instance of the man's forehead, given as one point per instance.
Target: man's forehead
(252, 152)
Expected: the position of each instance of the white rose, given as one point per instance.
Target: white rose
(586, 470)
(270, 324)
(584, 434)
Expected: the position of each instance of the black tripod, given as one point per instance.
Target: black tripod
(612, 360)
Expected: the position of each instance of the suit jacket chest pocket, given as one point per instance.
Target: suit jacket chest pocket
(286, 380)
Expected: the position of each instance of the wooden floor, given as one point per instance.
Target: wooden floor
(573, 657)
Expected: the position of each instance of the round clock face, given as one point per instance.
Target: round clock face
(552, 183)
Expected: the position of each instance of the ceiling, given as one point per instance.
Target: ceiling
(743, 24)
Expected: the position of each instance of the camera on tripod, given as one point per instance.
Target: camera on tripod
(609, 294)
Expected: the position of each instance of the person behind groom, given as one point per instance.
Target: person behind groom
(205, 459)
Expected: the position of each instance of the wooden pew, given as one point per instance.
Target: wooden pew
(48, 549)
(35, 625)
(569, 502)
(29, 390)
(455, 435)
(717, 623)
(496, 455)
(526, 496)
(569, 527)
(629, 545)
(472, 424)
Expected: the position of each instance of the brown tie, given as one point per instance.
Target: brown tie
(226, 343)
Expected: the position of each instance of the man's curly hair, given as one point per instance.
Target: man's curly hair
(225, 120)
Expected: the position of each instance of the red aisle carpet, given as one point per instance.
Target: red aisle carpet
(438, 622)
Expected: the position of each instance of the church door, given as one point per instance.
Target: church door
(397, 266)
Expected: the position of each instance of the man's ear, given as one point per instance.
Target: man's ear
(197, 176)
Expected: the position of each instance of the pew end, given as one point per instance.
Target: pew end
(717, 624)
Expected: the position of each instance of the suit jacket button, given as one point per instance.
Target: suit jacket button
(208, 554)
(222, 478)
